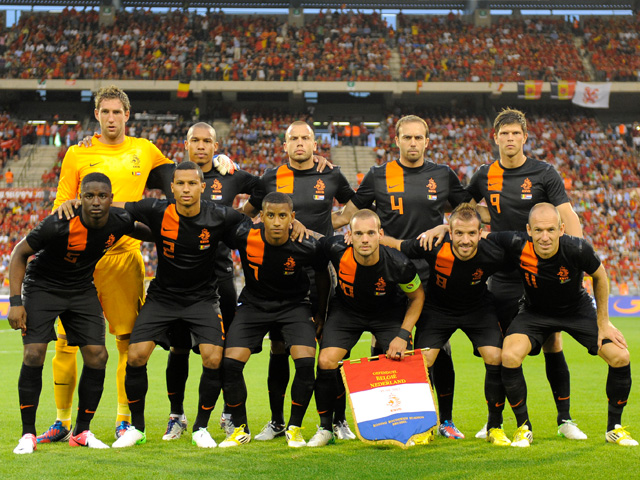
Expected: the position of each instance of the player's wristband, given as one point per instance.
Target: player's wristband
(404, 334)
(15, 301)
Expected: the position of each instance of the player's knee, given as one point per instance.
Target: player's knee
(326, 361)
(212, 359)
(34, 355)
(492, 356)
(95, 356)
(618, 357)
(511, 358)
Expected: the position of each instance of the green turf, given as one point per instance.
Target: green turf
(549, 457)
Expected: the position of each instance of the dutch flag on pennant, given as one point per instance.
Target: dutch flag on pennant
(392, 401)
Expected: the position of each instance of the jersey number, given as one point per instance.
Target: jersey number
(169, 249)
(531, 280)
(495, 201)
(71, 257)
(397, 206)
(441, 281)
(347, 289)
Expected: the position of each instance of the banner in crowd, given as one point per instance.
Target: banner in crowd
(530, 90)
(563, 90)
(183, 89)
(627, 306)
(392, 401)
(25, 193)
(592, 95)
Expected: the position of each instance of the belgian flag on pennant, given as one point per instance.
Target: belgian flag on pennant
(183, 89)
(530, 90)
(563, 90)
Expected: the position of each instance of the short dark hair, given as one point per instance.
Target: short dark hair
(464, 212)
(364, 214)
(277, 198)
(510, 116)
(189, 165)
(95, 177)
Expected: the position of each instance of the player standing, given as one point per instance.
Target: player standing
(410, 195)
(511, 186)
(201, 146)
(313, 193)
(186, 233)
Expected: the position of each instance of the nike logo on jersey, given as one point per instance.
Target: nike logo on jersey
(280, 187)
(73, 246)
(94, 164)
(165, 231)
(393, 186)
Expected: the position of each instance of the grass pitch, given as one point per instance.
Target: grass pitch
(549, 457)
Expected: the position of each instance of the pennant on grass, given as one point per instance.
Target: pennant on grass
(392, 401)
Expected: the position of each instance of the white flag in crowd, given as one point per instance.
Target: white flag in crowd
(592, 95)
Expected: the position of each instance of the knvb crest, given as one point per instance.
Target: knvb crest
(289, 266)
(432, 190)
(110, 241)
(319, 190)
(563, 275)
(526, 189)
(204, 237)
(477, 276)
(381, 287)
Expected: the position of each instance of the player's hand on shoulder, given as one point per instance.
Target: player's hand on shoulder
(18, 318)
(88, 140)
(347, 238)
(434, 237)
(298, 231)
(322, 163)
(224, 164)
(66, 209)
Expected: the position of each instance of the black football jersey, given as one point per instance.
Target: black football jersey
(68, 251)
(553, 286)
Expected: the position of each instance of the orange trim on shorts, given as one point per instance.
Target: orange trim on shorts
(77, 235)
(445, 259)
(528, 259)
(395, 177)
(284, 179)
(495, 177)
(255, 247)
(170, 223)
(348, 266)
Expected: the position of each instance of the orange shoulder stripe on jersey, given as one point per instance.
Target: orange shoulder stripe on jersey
(348, 266)
(77, 235)
(170, 223)
(255, 247)
(528, 259)
(284, 179)
(445, 259)
(495, 177)
(395, 177)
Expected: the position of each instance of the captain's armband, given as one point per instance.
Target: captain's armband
(412, 286)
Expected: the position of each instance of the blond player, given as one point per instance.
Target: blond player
(119, 277)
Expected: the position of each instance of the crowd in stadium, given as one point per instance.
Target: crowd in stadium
(332, 46)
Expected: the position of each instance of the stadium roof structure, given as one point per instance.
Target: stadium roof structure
(357, 4)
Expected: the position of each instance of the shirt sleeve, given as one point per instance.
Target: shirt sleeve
(69, 179)
(457, 193)
(249, 182)
(258, 194)
(344, 193)
(141, 210)
(235, 236)
(365, 195)
(40, 236)
(474, 186)
(161, 177)
(554, 187)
